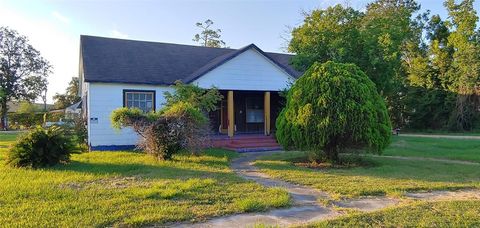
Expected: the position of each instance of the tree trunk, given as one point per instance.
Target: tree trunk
(464, 112)
(3, 115)
(331, 150)
(332, 154)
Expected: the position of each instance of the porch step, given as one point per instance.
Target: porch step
(247, 143)
(252, 141)
(257, 149)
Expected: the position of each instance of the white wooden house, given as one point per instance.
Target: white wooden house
(126, 73)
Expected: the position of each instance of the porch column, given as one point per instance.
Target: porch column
(266, 108)
(231, 114)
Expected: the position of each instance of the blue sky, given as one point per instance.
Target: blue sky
(54, 27)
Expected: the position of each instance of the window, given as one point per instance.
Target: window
(144, 100)
(254, 111)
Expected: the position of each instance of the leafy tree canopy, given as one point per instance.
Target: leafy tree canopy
(372, 40)
(71, 95)
(445, 68)
(23, 71)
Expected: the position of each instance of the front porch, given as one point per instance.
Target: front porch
(246, 112)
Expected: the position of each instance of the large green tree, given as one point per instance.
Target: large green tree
(329, 34)
(464, 72)
(427, 60)
(23, 70)
(331, 108)
(71, 95)
(373, 40)
(443, 71)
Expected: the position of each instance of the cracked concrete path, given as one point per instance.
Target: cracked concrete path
(305, 201)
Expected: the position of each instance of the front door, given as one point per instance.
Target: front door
(254, 114)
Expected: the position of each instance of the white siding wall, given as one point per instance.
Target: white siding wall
(247, 71)
(103, 98)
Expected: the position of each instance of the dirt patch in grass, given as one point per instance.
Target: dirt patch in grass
(346, 162)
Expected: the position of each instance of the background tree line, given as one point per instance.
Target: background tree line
(427, 68)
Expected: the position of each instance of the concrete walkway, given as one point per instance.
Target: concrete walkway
(305, 201)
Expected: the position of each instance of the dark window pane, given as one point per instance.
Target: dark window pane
(254, 115)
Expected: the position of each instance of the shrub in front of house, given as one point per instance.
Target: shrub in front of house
(181, 124)
(331, 108)
(178, 126)
(40, 148)
(77, 129)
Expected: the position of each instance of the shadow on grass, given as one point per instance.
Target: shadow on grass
(143, 170)
(132, 163)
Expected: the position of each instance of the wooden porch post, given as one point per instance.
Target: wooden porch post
(231, 114)
(266, 107)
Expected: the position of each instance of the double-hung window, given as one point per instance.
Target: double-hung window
(142, 99)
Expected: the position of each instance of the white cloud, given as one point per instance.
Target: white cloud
(57, 45)
(60, 17)
(117, 34)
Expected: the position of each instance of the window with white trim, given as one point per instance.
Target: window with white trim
(144, 100)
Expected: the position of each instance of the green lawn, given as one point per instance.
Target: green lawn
(127, 189)
(426, 214)
(388, 176)
(457, 149)
(440, 132)
(385, 177)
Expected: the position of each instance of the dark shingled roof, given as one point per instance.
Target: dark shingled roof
(143, 62)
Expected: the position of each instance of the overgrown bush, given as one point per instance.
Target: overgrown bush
(40, 148)
(77, 129)
(181, 124)
(331, 108)
(204, 99)
(167, 132)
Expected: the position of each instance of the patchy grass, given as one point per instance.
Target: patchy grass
(6, 139)
(475, 132)
(127, 189)
(277, 198)
(386, 177)
(425, 214)
(456, 149)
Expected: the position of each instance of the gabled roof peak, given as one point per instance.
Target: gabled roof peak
(112, 60)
